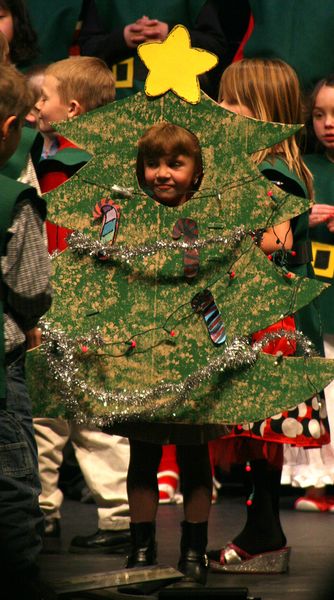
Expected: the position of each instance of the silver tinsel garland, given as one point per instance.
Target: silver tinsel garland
(62, 354)
(85, 244)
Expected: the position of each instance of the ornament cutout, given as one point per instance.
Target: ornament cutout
(189, 230)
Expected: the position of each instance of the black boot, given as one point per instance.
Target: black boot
(143, 545)
(263, 530)
(193, 560)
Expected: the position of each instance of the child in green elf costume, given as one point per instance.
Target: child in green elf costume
(25, 297)
(313, 469)
(16, 25)
(113, 30)
(255, 88)
(72, 87)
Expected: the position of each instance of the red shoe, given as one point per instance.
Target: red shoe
(306, 504)
(235, 560)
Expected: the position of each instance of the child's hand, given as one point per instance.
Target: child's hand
(144, 30)
(330, 225)
(320, 213)
(33, 338)
(133, 35)
(155, 30)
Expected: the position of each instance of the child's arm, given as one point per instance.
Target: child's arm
(276, 238)
(33, 338)
(26, 270)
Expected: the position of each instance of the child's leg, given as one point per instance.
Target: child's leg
(51, 436)
(143, 498)
(196, 476)
(263, 531)
(142, 483)
(103, 460)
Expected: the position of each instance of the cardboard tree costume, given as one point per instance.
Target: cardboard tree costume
(133, 337)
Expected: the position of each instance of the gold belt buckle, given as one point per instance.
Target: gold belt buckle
(323, 259)
(128, 67)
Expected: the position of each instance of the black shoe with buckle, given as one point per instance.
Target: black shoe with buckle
(104, 540)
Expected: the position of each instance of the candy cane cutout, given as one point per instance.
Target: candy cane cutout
(110, 213)
(188, 228)
(204, 304)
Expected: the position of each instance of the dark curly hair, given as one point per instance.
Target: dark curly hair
(23, 47)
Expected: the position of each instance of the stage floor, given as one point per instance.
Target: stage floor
(311, 536)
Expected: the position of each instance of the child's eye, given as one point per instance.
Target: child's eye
(150, 164)
(317, 115)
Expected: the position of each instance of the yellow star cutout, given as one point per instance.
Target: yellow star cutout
(174, 65)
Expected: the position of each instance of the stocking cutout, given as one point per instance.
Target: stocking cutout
(204, 304)
(188, 228)
(110, 213)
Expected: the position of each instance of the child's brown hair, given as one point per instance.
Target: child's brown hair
(168, 139)
(86, 79)
(16, 98)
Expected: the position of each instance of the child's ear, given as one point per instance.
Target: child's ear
(6, 125)
(198, 177)
(74, 109)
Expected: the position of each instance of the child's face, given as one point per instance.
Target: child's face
(50, 106)
(170, 178)
(6, 24)
(239, 109)
(323, 116)
(36, 82)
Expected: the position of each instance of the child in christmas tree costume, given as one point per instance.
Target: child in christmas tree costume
(256, 88)
(72, 87)
(169, 169)
(314, 469)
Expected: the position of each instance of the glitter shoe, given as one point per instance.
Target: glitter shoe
(306, 504)
(235, 560)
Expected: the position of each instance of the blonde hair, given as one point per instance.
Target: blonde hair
(86, 79)
(168, 139)
(15, 96)
(270, 89)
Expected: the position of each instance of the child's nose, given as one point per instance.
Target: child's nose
(329, 121)
(163, 171)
